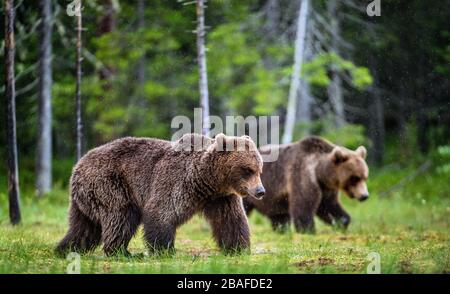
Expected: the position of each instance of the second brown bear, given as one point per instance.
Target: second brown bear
(305, 181)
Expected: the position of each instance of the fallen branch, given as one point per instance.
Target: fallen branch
(425, 166)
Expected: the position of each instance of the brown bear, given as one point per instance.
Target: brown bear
(305, 181)
(162, 184)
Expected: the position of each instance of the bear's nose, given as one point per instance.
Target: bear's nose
(363, 197)
(260, 191)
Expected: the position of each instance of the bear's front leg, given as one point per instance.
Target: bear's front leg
(158, 233)
(229, 223)
(341, 217)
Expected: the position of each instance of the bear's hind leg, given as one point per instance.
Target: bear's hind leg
(304, 202)
(280, 222)
(118, 228)
(84, 234)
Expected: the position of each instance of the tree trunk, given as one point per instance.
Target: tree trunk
(295, 80)
(402, 120)
(10, 95)
(106, 25)
(141, 62)
(78, 86)
(304, 106)
(305, 99)
(271, 24)
(377, 113)
(335, 86)
(44, 148)
(422, 120)
(203, 77)
(376, 124)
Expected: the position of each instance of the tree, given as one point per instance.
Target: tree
(335, 86)
(107, 24)
(295, 79)
(202, 71)
(10, 93)
(44, 148)
(141, 64)
(305, 99)
(78, 83)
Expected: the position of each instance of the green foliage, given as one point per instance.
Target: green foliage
(315, 71)
(238, 73)
(443, 159)
(349, 135)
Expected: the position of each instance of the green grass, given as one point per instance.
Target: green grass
(409, 229)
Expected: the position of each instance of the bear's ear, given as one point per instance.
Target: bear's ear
(220, 142)
(361, 151)
(220, 135)
(338, 156)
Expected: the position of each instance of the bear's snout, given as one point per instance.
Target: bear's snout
(363, 197)
(260, 192)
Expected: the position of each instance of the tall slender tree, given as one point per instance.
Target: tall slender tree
(44, 148)
(305, 98)
(203, 77)
(78, 83)
(295, 79)
(10, 95)
(335, 87)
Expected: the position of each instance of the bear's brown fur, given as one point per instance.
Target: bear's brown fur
(305, 181)
(129, 181)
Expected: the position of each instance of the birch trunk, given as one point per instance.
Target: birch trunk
(10, 95)
(44, 148)
(203, 78)
(295, 80)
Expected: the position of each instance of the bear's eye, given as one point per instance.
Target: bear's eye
(354, 179)
(247, 171)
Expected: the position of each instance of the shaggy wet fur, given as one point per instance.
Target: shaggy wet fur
(305, 181)
(118, 186)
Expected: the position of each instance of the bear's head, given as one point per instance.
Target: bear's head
(239, 165)
(351, 171)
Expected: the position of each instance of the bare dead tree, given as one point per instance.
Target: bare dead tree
(79, 59)
(295, 79)
(10, 95)
(203, 78)
(44, 148)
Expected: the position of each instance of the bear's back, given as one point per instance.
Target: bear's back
(315, 145)
(127, 147)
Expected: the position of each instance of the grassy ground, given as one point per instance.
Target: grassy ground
(408, 228)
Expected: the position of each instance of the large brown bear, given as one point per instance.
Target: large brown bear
(162, 184)
(305, 181)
